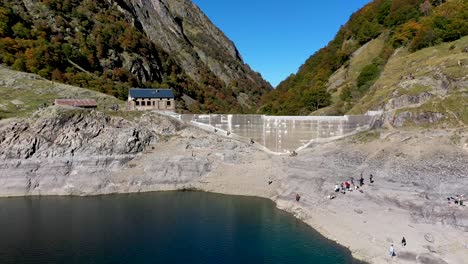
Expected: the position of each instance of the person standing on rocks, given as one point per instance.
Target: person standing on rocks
(392, 251)
(403, 242)
(371, 178)
(361, 181)
(337, 188)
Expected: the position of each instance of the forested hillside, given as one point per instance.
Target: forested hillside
(97, 45)
(394, 24)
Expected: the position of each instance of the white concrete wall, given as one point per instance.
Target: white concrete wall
(284, 133)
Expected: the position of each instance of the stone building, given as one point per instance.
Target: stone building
(151, 99)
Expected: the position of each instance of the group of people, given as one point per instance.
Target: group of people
(349, 185)
(392, 248)
(456, 200)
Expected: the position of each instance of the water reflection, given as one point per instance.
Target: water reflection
(169, 227)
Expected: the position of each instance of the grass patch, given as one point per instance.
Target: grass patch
(22, 94)
(424, 63)
(20, 103)
(456, 71)
(415, 90)
(128, 115)
(366, 136)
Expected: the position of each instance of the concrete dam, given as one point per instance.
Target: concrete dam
(283, 134)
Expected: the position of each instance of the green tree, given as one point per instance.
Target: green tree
(19, 65)
(317, 98)
(367, 77)
(19, 30)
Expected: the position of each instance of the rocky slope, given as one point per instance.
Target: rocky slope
(414, 173)
(372, 48)
(67, 151)
(424, 88)
(181, 28)
(58, 152)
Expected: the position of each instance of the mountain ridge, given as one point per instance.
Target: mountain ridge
(413, 25)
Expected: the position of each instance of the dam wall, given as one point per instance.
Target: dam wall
(283, 134)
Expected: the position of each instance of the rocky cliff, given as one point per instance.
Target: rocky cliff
(66, 151)
(57, 152)
(181, 28)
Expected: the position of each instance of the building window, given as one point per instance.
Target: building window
(137, 103)
(154, 103)
(143, 103)
(168, 103)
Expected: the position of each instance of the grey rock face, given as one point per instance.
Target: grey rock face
(70, 136)
(405, 101)
(181, 28)
(74, 152)
(419, 118)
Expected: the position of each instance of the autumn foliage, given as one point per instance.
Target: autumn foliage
(91, 44)
(415, 24)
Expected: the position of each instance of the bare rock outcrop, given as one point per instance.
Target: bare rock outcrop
(69, 151)
(182, 29)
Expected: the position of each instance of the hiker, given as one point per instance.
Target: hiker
(361, 181)
(298, 197)
(337, 188)
(342, 188)
(347, 185)
(371, 178)
(293, 154)
(403, 242)
(352, 180)
(460, 200)
(392, 251)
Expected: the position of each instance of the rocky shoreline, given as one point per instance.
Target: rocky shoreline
(69, 152)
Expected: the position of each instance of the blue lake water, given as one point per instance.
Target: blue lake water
(168, 227)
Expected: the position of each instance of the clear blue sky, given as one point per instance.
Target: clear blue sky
(276, 37)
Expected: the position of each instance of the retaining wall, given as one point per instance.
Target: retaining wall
(283, 134)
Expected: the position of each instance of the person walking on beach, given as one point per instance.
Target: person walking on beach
(347, 185)
(298, 197)
(392, 251)
(403, 242)
(337, 188)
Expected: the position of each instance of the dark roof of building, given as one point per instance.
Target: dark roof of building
(77, 102)
(151, 93)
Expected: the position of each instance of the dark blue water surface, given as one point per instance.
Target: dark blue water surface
(170, 227)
